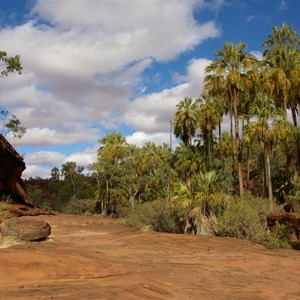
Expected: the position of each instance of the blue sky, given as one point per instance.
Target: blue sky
(95, 66)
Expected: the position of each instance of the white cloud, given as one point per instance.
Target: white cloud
(36, 171)
(46, 136)
(152, 113)
(140, 138)
(83, 63)
(44, 158)
(84, 158)
(88, 63)
(257, 54)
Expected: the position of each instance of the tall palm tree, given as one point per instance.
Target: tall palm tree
(228, 75)
(267, 129)
(208, 117)
(185, 123)
(282, 54)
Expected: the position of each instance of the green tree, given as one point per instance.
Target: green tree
(208, 116)
(74, 179)
(282, 54)
(229, 74)
(112, 152)
(185, 123)
(188, 161)
(9, 64)
(269, 127)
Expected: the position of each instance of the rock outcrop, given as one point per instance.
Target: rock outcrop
(12, 185)
(11, 168)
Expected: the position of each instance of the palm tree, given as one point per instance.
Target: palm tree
(269, 127)
(185, 123)
(228, 75)
(208, 117)
(188, 161)
(282, 54)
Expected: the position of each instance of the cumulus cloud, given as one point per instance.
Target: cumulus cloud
(84, 158)
(46, 136)
(141, 138)
(44, 157)
(83, 64)
(36, 171)
(152, 113)
(88, 62)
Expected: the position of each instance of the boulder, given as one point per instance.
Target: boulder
(28, 230)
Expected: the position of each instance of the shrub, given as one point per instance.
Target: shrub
(241, 220)
(12, 235)
(154, 216)
(246, 219)
(81, 206)
(4, 202)
(9, 241)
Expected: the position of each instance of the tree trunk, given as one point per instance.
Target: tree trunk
(239, 149)
(220, 143)
(294, 116)
(208, 150)
(232, 145)
(268, 171)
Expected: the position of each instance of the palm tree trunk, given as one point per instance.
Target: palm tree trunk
(268, 171)
(232, 145)
(239, 148)
(294, 116)
(208, 150)
(220, 142)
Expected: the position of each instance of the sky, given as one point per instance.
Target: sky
(91, 67)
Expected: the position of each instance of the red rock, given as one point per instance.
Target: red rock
(25, 229)
(11, 168)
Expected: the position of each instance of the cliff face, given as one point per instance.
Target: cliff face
(11, 168)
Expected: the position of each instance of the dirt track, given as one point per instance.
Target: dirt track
(88, 258)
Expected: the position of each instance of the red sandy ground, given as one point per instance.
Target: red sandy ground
(87, 257)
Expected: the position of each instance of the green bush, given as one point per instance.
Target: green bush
(153, 216)
(81, 206)
(246, 219)
(241, 220)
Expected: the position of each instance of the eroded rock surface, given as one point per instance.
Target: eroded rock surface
(28, 230)
(11, 168)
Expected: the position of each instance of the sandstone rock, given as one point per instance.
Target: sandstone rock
(25, 229)
(11, 168)
(20, 210)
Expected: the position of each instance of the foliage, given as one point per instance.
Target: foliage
(153, 215)
(81, 206)
(246, 219)
(11, 124)
(9, 64)
(185, 122)
(4, 202)
(13, 236)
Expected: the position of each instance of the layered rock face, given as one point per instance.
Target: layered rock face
(12, 185)
(11, 168)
